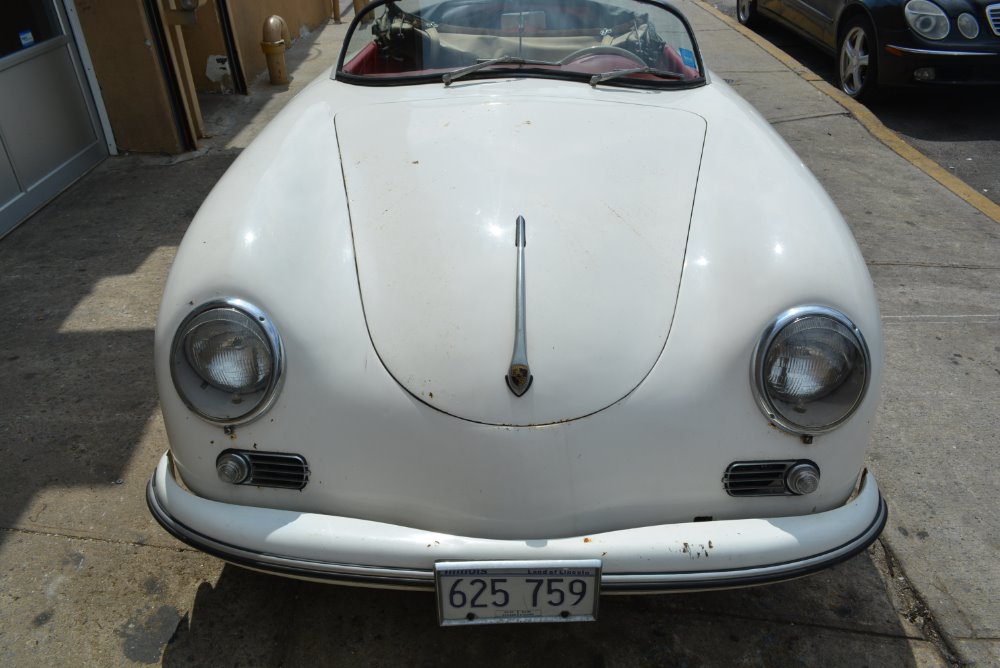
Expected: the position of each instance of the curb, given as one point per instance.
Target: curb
(867, 119)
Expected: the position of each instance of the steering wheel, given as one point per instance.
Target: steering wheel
(603, 49)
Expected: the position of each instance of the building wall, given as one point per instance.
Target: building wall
(130, 75)
(206, 50)
(150, 96)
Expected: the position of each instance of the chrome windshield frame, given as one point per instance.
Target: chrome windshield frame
(405, 79)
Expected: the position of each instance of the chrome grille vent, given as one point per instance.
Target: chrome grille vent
(272, 469)
(993, 14)
(765, 478)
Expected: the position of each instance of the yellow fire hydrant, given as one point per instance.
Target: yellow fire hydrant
(276, 40)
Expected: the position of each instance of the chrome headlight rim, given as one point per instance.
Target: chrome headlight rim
(761, 349)
(179, 360)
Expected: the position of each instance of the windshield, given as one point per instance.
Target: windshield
(610, 42)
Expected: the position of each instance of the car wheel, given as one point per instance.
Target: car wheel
(857, 59)
(746, 12)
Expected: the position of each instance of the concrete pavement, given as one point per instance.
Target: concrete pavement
(86, 577)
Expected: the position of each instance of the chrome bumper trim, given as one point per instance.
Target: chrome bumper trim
(611, 583)
(746, 577)
(932, 52)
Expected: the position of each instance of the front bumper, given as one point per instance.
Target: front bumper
(671, 557)
(898, 65)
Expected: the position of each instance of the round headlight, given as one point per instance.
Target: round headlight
(810, 369)
(968, 25)
(226, 361)
(927, 19)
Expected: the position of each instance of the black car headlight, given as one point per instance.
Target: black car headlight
(927, 19)
(967, 25)
(226, 361)
(810, 369)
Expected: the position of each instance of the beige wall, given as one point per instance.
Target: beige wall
(248, 20)
(205, 46)
(130, 76)
(135, 90)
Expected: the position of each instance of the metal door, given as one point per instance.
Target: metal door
(50, 133)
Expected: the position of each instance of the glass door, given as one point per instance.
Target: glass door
(50, 134)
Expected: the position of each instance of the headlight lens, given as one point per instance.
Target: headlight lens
(228, 350)
(226, 361)
(810, 369)
(968, 25)
(927, 19)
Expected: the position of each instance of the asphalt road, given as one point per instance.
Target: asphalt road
(955, 127)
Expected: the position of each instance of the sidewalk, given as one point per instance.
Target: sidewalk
(88, 578)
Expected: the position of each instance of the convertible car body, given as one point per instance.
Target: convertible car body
(521, 306)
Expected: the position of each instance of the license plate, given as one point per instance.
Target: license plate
(498, 592)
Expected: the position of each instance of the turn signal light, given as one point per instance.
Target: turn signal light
(233, 467)
(802, 479)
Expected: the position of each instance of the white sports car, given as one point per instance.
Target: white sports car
(521, 306)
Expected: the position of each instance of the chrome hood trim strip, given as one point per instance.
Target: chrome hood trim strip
(519, 373)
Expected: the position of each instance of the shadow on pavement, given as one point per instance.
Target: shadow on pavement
(940, 113)
(79, 288)
(953, 125)
(839, 617)
(80, 285)
(956, 115)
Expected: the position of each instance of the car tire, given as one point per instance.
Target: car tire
(857, 59)
(746, 13)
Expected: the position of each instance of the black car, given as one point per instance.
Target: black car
(894, 42)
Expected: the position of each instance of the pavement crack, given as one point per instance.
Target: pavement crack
(942, 316)
(914, 608)
(809, 117)
(814, 625)
(725, 73)
(931, 265)
(107, 541)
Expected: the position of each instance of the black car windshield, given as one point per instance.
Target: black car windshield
(606, 42)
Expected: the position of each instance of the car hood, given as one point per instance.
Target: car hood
(434, 189)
